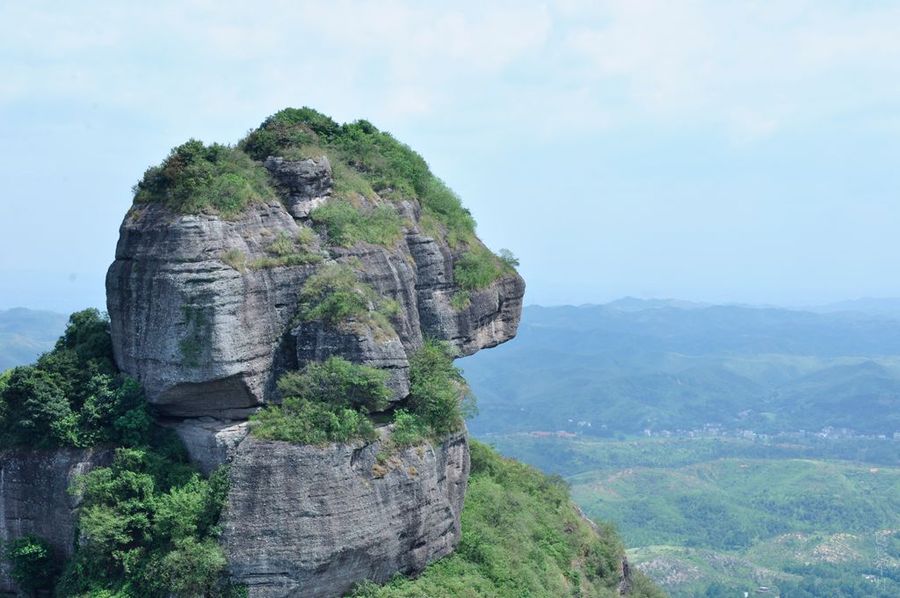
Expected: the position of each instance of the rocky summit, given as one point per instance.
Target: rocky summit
(237, 265)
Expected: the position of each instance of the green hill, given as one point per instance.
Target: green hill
(521, 536)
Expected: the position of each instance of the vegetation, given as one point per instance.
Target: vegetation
(73, 395)
(710, 516)
(33, 566)
(438, 393)
(147, 524)
(325, 402)
(521, 536)
(345, 224)
(478, 268)
(340, 383)
(336, 296)
(196, 178)
(147, 527)
(302, 421)
(366, 160)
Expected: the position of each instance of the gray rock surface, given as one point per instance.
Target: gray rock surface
(34, 498)
(207, 338)
(304, 184)
(312, 521)
(208, 326)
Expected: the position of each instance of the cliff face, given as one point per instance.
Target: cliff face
(205, 312)
(34, 498)
(208, 338)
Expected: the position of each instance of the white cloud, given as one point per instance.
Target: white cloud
(748, 67)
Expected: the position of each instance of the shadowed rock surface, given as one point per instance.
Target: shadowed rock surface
(34, 498)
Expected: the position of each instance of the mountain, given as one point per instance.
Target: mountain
(604, 370)
(26, 333)
(271, 408)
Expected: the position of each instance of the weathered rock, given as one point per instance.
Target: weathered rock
(209, 338)
(304, 184)
(210, 442)
(312, 521)
(204, 337)
(34, 498)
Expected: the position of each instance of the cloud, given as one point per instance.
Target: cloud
(748, 68)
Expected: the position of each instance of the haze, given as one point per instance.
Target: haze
(707, 150)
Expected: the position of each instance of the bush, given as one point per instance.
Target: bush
(408, 429)
(345, 224)
(73, 395)
(478, 268)
(197, 179)
(32, 564)
(438, 392)
(335, 295)
(302, 421)
(147, 525)
(364, 160)
(339, 383)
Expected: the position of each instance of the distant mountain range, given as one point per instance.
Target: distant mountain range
(635, 365)
(25, 334)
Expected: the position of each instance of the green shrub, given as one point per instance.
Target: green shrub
(345, 224)
(73, 395)
(197, 179)
(147, 526)
(521, 536)
(364, 160)
(339, 383)
(438, 392)
(478, 268)
(409, 429)
(32, 564)
(303, 421)
(335, 295)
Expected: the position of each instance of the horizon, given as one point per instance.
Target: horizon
(836, 306)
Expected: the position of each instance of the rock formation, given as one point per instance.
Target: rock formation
(205, 316)
(35, 498)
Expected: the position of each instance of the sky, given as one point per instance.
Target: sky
(710, 150)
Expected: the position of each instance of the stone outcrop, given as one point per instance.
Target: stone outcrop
(311, 521)
(207, 332)
(34, 498)
(204, 311)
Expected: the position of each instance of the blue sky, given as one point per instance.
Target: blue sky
(711, 150)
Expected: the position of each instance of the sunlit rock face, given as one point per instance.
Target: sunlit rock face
(207, 317)
(207, 331)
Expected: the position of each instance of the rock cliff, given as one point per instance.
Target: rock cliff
(34, 498)
(207, 311)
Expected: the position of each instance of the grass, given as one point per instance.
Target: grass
(325, 402)
(345, 224)
(366, 161)
(478, 267)
(336, 296)
(197, 179)
(521, 536)
(285, 250)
